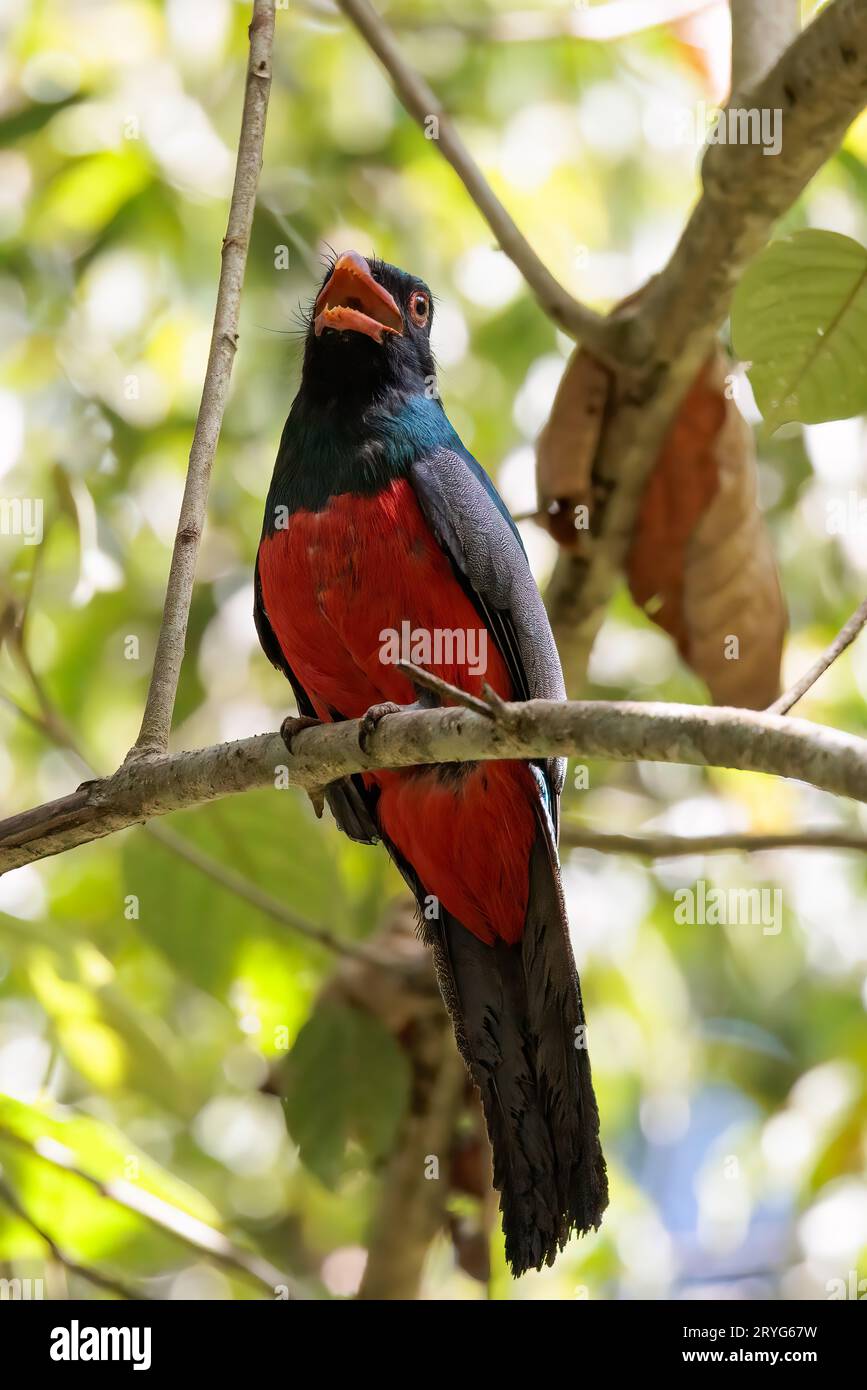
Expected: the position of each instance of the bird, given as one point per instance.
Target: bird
(380, 526)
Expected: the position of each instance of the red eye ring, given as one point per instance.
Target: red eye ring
(419, 308)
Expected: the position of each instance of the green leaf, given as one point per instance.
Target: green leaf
(102, 1032)
(87, 194)
(346, 1079)
(263, 968)
(799, 317)
(75, 1212)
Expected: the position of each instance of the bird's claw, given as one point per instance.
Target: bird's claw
(293, 724)
(369, 721)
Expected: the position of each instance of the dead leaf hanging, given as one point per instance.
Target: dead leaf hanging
(701, 562)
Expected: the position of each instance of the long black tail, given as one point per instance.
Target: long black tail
(519, 1023)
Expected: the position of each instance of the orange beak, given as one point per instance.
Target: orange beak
(352, 301)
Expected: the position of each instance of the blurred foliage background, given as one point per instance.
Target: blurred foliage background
(143, 1008)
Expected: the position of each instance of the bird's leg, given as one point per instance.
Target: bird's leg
(291, 726)
(370, 720)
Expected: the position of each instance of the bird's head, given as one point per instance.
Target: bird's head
(369, 330)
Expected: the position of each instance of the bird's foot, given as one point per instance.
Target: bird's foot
(292, 726)
(369, 722)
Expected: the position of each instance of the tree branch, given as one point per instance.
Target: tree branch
(661, 846)
(411, 1206)
(819, 85)
(598, 333)
(156, 723)
(624, 731)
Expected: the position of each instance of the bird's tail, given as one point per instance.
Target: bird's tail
(519, 1023)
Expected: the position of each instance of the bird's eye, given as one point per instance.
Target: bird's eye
(419, 308)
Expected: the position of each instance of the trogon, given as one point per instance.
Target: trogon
(379, 522)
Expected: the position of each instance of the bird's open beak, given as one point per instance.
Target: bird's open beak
(352, 301)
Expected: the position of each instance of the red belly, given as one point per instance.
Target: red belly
(336, 584)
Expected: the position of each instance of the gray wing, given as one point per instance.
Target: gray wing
(471, 523)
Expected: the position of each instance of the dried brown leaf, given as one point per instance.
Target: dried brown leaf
(701, 562)
(567, 446)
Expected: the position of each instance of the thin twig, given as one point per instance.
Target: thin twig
(34, 720)
(845, 637)
(189, 1230)
(596, 332)
(93, 1276)
(660, 846)
(51, 720)
(761, 30)
(157, 721)
(428, 681)
(495, 702)
(271, 906)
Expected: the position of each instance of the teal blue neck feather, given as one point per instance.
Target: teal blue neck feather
(323, 454)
